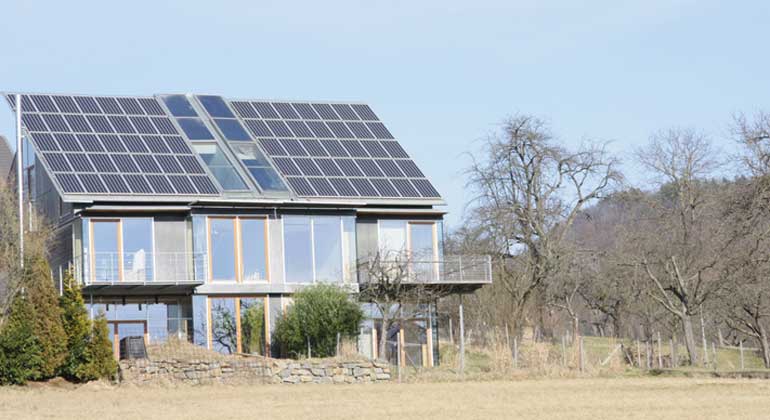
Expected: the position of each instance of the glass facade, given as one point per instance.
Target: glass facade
(319, 249)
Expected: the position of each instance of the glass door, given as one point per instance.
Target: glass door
(423, 251)
(106, 260)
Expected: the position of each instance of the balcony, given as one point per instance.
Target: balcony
(143, 272)
(465, 271)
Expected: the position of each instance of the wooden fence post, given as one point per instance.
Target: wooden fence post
(564, 351)
(740, 347)
(714, 350)
(581, 354)
(515, 352)
(638, 354)
(660, 353)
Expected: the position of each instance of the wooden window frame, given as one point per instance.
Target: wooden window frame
(92, 245)
(237, 248)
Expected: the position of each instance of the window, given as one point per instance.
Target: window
(259, 168)
(392, 239)
(254, 249)
(228, 236)
(179, 106)
(220, 166)
(121, 249)
(328, 249)
(298, 249)
(415, 242)
(138, 255)
(195, 129)
(222, 249)
(319, 249)
(239, 325)
(105, 257)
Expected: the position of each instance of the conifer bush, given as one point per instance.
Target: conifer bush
(46, 315)
(21, 355)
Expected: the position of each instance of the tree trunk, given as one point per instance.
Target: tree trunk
(689, 338)
(763, 345)
(383, 345)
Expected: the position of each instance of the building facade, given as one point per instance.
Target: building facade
(198, 217)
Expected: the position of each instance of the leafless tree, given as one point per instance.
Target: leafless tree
(529, 190)
(388, 281)
(681, 251)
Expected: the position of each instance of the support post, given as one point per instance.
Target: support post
(451, 332)
(714, 350)
(672, 353)
(462, 338)
(398, 355)
(740, 347)
(638, 354)
(515, 352)
(660, 353)
(703, 336)
(564, 351)
(429, 336)
(20, 178)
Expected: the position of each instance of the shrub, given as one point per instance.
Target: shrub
(318, 314)
(77, 326)
(47, 315)
(21, 356)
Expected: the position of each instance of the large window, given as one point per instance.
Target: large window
(119, 249)
(319, 249)
(222, 249)
(414, 242)
(238, 249)
(239, 325)
(258, 166)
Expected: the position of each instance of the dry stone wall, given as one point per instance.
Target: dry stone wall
(236, 370)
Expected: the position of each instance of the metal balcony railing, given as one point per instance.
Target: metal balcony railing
(144, 267)
(452, 269)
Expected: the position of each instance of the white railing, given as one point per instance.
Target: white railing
(144, 267)
(460, 269)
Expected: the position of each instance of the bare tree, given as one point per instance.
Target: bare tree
(388, 281)
(681, 250)
(529, 190)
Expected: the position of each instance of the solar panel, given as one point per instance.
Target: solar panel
(156, 144)
(143, 125)
(44, 103)
(160, 184)
(78, 123)
(334, 148)
(307, 166)
(340, 130)
(79, 162)
(88, 105)
(364, 187)
(130, 106)
(265, 110)
(301, 186)
(44, 142)
(55, 122)
(286, 166)
(109, 105)
(360, 130)
(313, 147)
(102, 163)
(92, 183)
(286, 111)
(115, 184)
(323, 187)
(204, 185)
(345, 111)
(138, 184)
(68, 142)
(405, 188)
(320, 129)
(325, 111)
(66, 104)
(33, 122)
(343, 187)
(279, 128)
(384, 187)
(70, 183)
(306, 111)
(364, 112)
(90, 142)
(375, 149)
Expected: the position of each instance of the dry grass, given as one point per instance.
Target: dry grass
(629, 398)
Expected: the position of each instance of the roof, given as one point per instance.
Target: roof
(207, 148)
(6, 158)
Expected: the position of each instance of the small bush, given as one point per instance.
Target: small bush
(78, 329)
(318, 314)
(21, 355)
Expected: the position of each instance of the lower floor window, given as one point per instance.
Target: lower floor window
(238, 325)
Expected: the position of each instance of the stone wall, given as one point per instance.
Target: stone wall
(234, 370)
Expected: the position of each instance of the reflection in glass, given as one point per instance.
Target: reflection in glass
(392, 239)
(253, 250)
(106, 260)
(137, 250)
(224, 338)
(252, 325)
(298, 249)
(222, 233)
(328, 249)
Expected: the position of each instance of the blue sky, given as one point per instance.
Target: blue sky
(441, 74)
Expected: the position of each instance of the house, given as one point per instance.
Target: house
(191, 216)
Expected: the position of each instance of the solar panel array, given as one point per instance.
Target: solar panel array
(333, 150)
(113, 146)
(131, 146)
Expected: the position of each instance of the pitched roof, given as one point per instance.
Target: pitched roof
(206, 147)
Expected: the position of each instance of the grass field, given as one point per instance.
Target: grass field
(628, 398)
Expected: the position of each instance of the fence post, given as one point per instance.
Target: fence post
(740, 347)
(508, 343)
(672, 353)
(660, 353)
(309, 352)
(563, 351)
(714, 350)
(462, 339)
(581, 361)
(705, 343)
(515, 352)
(338, 344)
(398, 354)
(675, 353)
(451, 333)
(638, 354)
(648, 356)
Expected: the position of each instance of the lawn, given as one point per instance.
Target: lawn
(628, 398)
